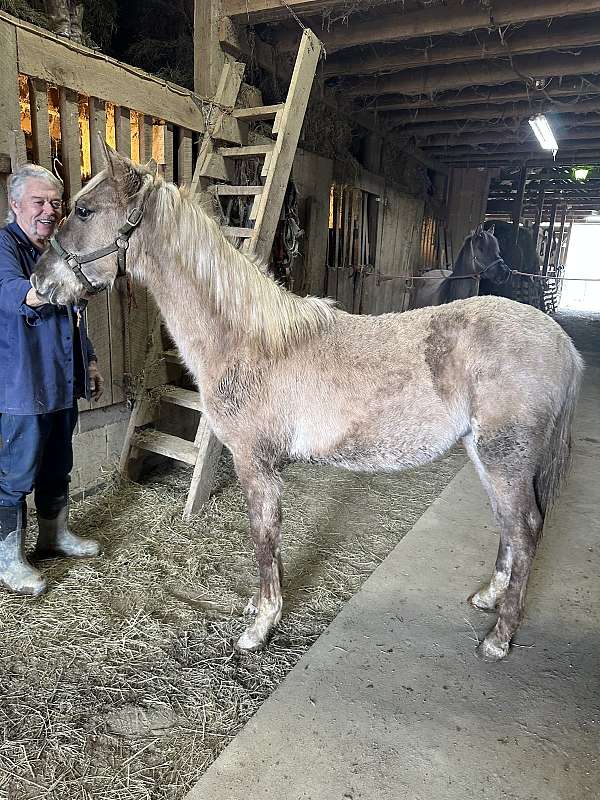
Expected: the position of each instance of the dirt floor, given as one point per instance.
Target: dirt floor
(122, 682)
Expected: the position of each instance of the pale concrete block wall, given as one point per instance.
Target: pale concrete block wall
(97, 446)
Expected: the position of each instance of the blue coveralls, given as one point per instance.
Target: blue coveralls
(44, 357)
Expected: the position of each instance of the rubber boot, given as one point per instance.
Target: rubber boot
(55, 538)
(16, 573)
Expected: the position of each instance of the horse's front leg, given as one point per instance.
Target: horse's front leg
(263, 490)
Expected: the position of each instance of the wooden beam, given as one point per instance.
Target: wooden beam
(438, 133)
(568, 87)
(62, 63)
(398, 25)
(521, 136)
(478, 73)
(209, 58)
(578, 34)
(508, 111)
(253, 11)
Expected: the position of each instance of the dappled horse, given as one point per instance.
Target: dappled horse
(285, 378)
(479, 258)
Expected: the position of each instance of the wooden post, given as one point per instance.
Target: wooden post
(538, 221)
(209, 58)
(518, 203)
(561, 236)
(550, 238)
(97, 129)
(145, 138)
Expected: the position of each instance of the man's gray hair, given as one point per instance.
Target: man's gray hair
(16, 183)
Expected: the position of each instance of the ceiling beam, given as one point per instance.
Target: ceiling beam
(521, 136)
(473, 128)
(509, 111)
(398, 25)
(255, 11)
(577, 34)
(478, 73)
(569, 88)
(522, 148)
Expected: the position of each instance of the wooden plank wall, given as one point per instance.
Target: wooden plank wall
(399, 244)
(467, 196)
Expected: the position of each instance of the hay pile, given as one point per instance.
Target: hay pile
(122, 682)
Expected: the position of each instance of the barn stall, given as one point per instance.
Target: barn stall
(123, 680)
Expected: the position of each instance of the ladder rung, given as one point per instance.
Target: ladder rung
(172, 356)
(251, 151)
(182, 397)
(166, 445)
(225, 189)
(238, 233)
(257, 113)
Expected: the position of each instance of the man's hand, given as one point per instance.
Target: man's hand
(33, 300)
(96, 380)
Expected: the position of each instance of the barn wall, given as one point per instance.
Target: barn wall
(468, 191)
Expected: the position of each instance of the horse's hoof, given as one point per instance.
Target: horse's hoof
(492, 650)
(482, 601)
(249, 641)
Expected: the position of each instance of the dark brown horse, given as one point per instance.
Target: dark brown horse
(284, 378)
(478, 259)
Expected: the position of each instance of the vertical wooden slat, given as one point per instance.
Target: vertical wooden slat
(168, 151)
(145, 138)
(184, 157)
(98, 307)
(123, 131)
(38, 100)
(97, 130)
(68, 104)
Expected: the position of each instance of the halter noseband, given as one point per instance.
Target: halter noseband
(119, 247)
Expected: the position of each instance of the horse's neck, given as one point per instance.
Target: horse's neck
(464, 262)
(203, 337)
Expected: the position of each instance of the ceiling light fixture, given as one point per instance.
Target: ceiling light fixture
(543, 131)
(581, 173)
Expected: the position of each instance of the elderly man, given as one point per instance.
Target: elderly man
(46, 363)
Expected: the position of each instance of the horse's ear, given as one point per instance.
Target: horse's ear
(152, 167)
(491, 229)
(479, 229)
(122, 170)
(108, 154)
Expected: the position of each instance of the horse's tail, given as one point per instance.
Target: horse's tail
(556, 458)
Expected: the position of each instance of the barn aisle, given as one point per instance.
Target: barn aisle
(391, 702)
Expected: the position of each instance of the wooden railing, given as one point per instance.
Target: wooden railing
(55, 97)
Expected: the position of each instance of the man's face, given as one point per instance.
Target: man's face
(38, 211)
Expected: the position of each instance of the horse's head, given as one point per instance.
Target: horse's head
(486, 259)
(88, 250)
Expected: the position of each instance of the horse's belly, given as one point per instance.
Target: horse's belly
(374, 444)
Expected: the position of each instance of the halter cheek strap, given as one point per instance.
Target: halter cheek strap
(119, 246)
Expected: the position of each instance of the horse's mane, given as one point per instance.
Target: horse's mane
(235, 285)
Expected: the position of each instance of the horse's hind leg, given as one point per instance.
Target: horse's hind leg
(262, 488)
(508, 478)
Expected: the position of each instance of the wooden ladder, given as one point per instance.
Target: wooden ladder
(224, 142)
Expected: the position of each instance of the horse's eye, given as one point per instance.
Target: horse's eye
(82, 212)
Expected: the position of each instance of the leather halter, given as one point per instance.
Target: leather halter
(119, 246)
(486, 267)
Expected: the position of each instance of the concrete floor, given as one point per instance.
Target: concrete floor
(391, 702)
